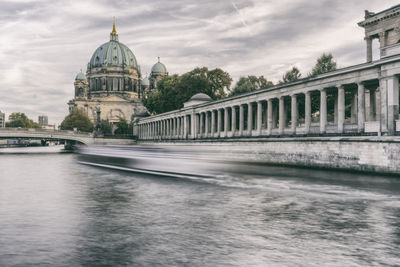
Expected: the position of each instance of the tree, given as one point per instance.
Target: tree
(173, 91)
(249, 84)
(291, 75)
(123, 127)
(18, 119)
(324, 64)
(77, 119)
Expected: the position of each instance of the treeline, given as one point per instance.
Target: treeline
(20, 120)
(173, 91)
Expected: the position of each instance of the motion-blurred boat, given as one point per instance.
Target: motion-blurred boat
(152, 160)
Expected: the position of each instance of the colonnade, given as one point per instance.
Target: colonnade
(360, 107)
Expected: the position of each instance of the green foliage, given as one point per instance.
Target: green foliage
(173, 91)
(18, 119)
(105, 127)
(324, 64)
(123, 127)
(249, 84)
(77, 119)
(291, 75)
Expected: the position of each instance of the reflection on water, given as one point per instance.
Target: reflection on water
(56, 212)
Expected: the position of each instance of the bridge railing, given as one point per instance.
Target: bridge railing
(39, 130)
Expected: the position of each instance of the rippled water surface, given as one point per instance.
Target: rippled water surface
(56, 212)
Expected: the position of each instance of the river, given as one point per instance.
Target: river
(57, 212)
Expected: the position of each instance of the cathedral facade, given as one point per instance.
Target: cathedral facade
(112, 87)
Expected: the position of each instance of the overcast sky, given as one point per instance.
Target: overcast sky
(44, 44)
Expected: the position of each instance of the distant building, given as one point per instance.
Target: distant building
(43, 120)
(158, 71)
(2, 120)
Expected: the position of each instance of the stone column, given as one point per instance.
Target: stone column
(282, 117)
(307, 112)
(201, 125)
(207, 124)
(323, 112)
(269, 116)
(294, 113)
(212, 123)
(233, 120)
(226, 121)
(341, 109)
(361, 107)
(249, 118)
(241, 120)
(185, 126)
(393, 103)
(193, 125)
(259, 117)
(219, 124)
(369, 48)
(382, 39)
(178, 127)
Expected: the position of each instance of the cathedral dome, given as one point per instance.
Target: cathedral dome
(113, 53)
(80, 76)
(145, 82)
(159, 67)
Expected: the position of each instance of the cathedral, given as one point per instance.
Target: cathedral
(113, 85)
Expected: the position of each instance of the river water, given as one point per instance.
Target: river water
(57, 212)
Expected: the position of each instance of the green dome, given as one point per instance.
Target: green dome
(113, 53)
(159, 67)
(80, 76)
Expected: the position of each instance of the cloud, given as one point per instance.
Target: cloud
(45, 43)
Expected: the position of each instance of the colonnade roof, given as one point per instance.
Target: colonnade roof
(332, 74)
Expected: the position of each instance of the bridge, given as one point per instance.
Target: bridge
(47, 135)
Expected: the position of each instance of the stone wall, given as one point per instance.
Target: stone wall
(374, 154)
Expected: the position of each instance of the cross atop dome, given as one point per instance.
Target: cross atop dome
(114, 34)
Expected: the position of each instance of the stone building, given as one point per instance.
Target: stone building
(384, 26)
(111, 88)
(2, 120)
(43, 120)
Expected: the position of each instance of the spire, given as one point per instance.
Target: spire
(158, 59)
(114, 31)
(114, 34)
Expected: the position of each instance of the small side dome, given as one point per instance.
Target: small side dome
(145, 82)
(200, 97)
(197, 99)
(159, 67)
(80, 76)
